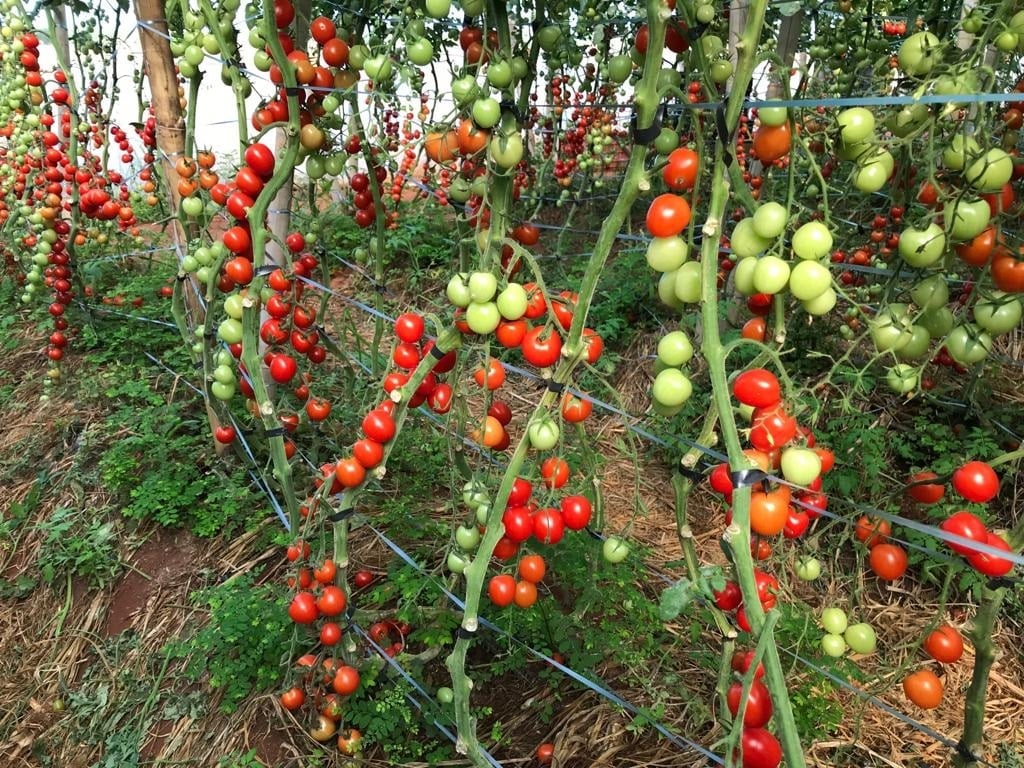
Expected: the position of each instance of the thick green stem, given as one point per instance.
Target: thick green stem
(737, 537)
(984, 657)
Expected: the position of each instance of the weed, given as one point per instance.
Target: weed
(241, 648)
(82, 543)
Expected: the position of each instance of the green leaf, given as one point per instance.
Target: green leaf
(675, 599)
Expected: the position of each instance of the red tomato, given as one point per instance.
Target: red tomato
(501, 411)
(759, 704)
(548, 526)
(729, 597)
(440, 400)
(260, 158)
(293, 698)
(526, 594)
(976, 481)
(542, 347)
(321, 29)
(518, 523)
(502, 590)
(944, 644)
(680, 173)
(967, 525)
(346, 680)
(326, 572)
(520, 493)
(759, 749)
(772, 427)
(409, 327)
(757, 387)
(668, 215)
(349, 473)
(505, 549)
(303, 609)
(368, 452)
(491, 374)
(555, 472)
(332, 600)
(991, 565)
(330, 633)
(741, 661)
(510, 333)
(378, 425)
(888, 561)
(922, 491)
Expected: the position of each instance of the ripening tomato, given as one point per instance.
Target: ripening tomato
(575, 409)
(532, 568)
(555, 472)
(976, 481)
(872, 532)
(944, 644)
(772, 142)
(923, 688)
(769, 510)
(490, 374)
(888, 561)
(293, 698)
(525, 594)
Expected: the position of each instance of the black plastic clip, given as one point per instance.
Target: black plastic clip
(693, 474)
(266, 270)
(1001, 582)
(182, 277)
(747, 477)
(436, 353)
(344, 514)
(965, 752)
(650, 133)
(511, 108)
(293, 90)
(724, 134)
(555, 386)
(275, 432)
(695, 32)
(465, 634)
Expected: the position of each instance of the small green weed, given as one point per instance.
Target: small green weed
(243, 645)
(80, 543)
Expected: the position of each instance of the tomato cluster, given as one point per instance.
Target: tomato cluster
(758, 746)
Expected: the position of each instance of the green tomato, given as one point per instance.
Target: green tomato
(512, 301)
(548, 37)
(1007, 41)
(543, 433)
(438, 9)
(812, 241)
(808, 568)
(482, 513)
(834, 620)
(472, 8)
(222, 391)
(378, 68)
(800, 466)
(420, 52)
(192, 206)
(456, 562)
(506, 151)
(961, 148)
(919, 53)
(687, 282)
(743, 276)
(833, 645)
(931, 293)
(998, 313)
(464, 89)
(902, 378)
(968, 344)
(474, 494)
(821, 305)
(870, 177)
(922, 247)
(482, 286)
(357, 56)
(666, 141)
(769, 221)
(675, 349)
(938, 322)
(233, 306)
(771, 275)
(460, 190)
(773, 116)
(809, 280)
(499, 74)
(458, 290)
(990, 172)
(665, 254)
(224, 374)
(861, 638)
(467, 537)
(619, 68)
(667, 290)
(966, 219)
(615, 549)
(671, 388)
(856, 124)
(721, 71)
(745, 241)
(445, 695)
(712, 45)
(917, 345)
(486, 112)
(230, 331)
(482, 317)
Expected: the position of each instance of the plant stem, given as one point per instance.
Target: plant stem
(984, 657)
(737, 535)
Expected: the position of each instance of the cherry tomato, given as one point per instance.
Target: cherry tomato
(502, 590)
(922, 491)
(923, 688)
(944, 644)
(888, 561)
(758, 706)
(976, 481)
(757, 387)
